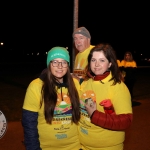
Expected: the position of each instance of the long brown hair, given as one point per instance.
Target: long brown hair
(111, 56)
(49, 95)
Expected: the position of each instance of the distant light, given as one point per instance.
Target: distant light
(46, 53)
(38, 53)
(141, 54)
(2, 43)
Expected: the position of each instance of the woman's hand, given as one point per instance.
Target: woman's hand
(90, 108)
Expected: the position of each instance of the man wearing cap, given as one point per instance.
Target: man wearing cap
(82, 41)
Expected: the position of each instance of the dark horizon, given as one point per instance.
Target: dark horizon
(37, 27)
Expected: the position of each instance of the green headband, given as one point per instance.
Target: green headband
(58, 52)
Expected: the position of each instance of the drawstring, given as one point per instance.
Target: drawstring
(60, 85)
(61, 94)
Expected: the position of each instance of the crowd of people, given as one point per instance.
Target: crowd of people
(87, 110)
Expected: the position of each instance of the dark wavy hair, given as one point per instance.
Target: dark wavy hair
(130, 54)
(49, 95)
(109, 53)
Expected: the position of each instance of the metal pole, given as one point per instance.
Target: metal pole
(75, 25)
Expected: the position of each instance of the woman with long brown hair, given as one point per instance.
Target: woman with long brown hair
(51, 107)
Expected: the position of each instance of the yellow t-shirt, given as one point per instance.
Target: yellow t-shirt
(93, 137)
(61, 134)
(119, 63)
(128, 64)
(81, 61)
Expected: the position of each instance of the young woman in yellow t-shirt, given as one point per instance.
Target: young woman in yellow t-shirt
(51, 107)
(106, 110)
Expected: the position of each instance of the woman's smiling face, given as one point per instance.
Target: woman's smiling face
(59, 71)
(99, 63)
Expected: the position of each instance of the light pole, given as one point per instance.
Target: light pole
(75, 25)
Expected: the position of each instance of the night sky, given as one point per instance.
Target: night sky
(37, 27)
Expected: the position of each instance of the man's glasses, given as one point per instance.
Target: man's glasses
(56, 63)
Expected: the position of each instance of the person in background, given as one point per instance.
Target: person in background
(106, 110)
(128, 69)
(119, 63)
(82, 42)
(51, 107)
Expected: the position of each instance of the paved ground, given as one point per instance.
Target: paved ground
(137, 136)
